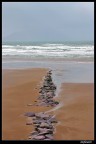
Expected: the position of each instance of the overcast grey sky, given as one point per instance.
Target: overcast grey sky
(47, 21)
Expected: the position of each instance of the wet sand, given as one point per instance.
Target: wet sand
(76, 116)
(21, 87)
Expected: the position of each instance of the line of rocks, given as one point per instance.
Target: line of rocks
(44, 126)
(47, 92)
(44, 123)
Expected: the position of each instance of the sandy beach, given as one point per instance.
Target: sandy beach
(76, 116)
(21, 87)
(48, 71)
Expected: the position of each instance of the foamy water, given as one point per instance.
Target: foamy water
(61, 50)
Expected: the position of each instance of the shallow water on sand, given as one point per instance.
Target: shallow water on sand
(62, 71)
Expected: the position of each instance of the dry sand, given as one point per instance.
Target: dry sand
(21, 87)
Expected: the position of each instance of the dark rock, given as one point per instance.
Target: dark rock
(36, 122)
(56, 102)
(34, 118)
(40, 91)
(42, 116)
(44, 125)
(30, 137)
(34, 133)
(51, 127)
(51, 102)
(50, 94)
(29, 123)
(49, 136)
(44, 131)
(40, 120)
(29, 114)
(53, 120)
(41, 137)
(37, 125)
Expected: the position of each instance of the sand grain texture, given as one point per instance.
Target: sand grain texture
(20, 87)
(77, 114)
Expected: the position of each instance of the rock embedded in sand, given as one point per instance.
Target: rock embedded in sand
(28, 123)
(37, 125)
(56, 102)
(41, 137)
(29, 104)
(36, 122)
(44, 131)
(49, 136)
(30, 137)
(34, 133)
(29, 114)
(53, 120)
(43, 116)
(44, 125)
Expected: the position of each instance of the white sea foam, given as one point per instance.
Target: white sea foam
(49, 50)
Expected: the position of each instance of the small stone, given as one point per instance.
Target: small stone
(53, 105)
(49, 136)
(40, 91)
(44, 125)
(29, 104)
(37, 125)
(34, 133)
(34, 118)
(41, 137)
(29, 123)
(36, 122)
(42, 104)
(30, 114)
(41, 115)
(56, 102)
(53, 120)
(44, 130)
(30, 137)
(51, 127)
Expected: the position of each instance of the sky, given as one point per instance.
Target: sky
(47, 21)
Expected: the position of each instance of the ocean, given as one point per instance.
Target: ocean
(48, 49)
(27, 56)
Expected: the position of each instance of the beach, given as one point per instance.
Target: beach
(48, 71)
(76, 116)
(20, 88)
(75, 113)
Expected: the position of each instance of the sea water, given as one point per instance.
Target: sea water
(63, 71)
(48, 49)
